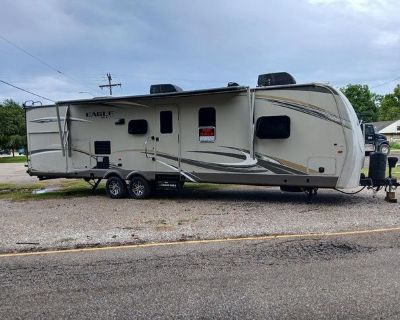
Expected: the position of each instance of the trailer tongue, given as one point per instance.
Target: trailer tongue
(377, 179)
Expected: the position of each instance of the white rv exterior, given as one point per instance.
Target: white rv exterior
(291, 135)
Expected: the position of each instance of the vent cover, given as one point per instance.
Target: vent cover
(275, 79)
(164, 88)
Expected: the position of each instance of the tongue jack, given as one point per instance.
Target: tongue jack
(390, 192)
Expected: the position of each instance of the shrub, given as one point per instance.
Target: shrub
(395, 145)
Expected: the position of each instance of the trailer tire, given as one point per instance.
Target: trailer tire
(139, 188)
(115, 187)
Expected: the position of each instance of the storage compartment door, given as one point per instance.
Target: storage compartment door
(45, 154)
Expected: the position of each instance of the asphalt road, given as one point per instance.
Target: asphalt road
(331, 277)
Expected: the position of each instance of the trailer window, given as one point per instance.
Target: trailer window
(207, 117)
(137, 126)
(102, 147)
(166, 121)
(273, 127)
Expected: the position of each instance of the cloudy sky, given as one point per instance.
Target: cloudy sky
(194, 44)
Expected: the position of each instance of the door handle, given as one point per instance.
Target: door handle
(157, 139)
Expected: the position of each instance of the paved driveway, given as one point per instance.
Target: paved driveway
(336, 277)
(15, 173)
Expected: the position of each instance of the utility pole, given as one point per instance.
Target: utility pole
(109, 85)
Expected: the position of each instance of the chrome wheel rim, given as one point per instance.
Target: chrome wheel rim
(384, 149)
(138, 188)
(114, 188)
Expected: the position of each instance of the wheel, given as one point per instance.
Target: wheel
(139, 188)
(384, 148)
(115, 188)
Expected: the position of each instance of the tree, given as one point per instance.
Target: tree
(364, 102)
(12, 126)
(390, 106)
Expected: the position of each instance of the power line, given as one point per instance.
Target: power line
(27, 91)
(31, 55)
(385, 83)
(41, 61)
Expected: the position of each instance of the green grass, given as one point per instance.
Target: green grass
(395, 145)
(10, 187)
(203, 186)
(68, 188)
(16, 159)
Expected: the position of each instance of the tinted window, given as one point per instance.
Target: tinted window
(207, 117)
(137, 126)
(273, 127)
(102, 147)
(166, 121)
(369, 129)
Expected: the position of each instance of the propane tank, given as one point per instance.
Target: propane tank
(377, 167)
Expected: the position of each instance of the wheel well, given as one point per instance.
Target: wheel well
(113, 174)
(134, 175)
(145, 175)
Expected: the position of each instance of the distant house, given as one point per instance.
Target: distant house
(391, 129)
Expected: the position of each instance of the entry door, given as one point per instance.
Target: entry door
(167, 148)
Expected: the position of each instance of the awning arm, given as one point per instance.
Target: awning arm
(251, 101)
(59, 130)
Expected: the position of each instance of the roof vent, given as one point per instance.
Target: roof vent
(275, 79)
(164, 88)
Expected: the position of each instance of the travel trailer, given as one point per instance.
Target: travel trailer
(296, 136)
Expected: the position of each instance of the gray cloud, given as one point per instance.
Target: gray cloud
(195, 44)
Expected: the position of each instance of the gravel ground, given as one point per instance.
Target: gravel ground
(229, 212)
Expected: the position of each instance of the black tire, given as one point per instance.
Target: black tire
(384, 148)
(115, 188)
(139, 188)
